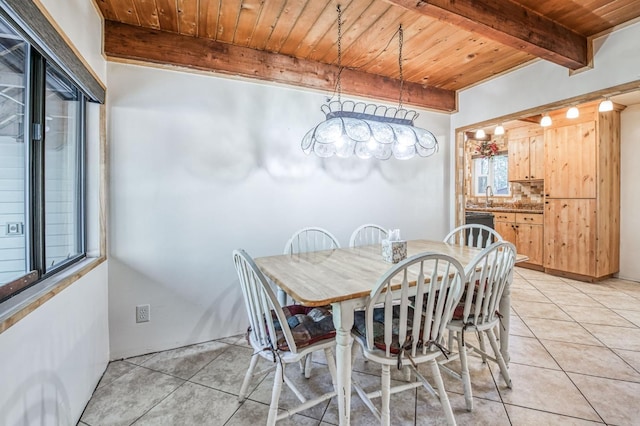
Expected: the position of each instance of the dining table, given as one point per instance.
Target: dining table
(344, 278)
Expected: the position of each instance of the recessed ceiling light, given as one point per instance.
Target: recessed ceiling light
(546, 121)
(573, 112)
(605, 106)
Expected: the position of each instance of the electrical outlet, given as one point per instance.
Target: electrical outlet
(143, 313)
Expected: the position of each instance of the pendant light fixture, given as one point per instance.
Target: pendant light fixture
(368, 130)
(499, 130)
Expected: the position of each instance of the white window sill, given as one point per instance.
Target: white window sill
(18, 307)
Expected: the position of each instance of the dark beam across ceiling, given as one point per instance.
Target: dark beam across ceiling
(511, 24)
(136, 43)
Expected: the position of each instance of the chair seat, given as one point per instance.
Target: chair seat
(308, 325)
(360, 327)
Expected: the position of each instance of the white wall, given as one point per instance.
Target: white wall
(616, 62)
(51, 360)
(201, 165)
(81, 22)
(630, 193)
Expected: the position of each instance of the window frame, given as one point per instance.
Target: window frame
(490, 176)
(35, 92)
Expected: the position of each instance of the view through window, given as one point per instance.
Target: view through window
(493, 171)
(41, 165)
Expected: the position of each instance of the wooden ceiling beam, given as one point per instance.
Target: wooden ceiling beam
(136, 43)
(511, 24)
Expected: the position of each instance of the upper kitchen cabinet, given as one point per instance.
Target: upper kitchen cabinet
(570, 156)
(526, 154)
(582, 194)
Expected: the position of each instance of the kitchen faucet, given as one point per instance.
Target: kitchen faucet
(488, 193)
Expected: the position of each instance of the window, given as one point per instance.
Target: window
(493, 172)
(41, 165)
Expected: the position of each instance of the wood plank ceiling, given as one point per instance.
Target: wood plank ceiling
(448, 45)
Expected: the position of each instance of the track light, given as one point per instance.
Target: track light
(605, 106)
(499, 130)
(546, 121)
(573, 112)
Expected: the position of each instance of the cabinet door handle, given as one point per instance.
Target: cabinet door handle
(533, 177)
(526, 177)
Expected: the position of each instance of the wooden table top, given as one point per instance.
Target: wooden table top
(322, 277)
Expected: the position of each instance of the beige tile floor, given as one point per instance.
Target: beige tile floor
(575, 360)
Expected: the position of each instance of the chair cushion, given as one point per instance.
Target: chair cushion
(360, 328)
(308, 325)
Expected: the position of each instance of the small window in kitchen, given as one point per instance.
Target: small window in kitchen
(493, 171)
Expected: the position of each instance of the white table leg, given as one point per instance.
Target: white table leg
(282, 297)
(343, 321)
(505, 322)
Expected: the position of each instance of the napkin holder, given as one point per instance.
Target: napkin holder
(394, 251)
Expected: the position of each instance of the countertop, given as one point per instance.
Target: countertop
(507, 208)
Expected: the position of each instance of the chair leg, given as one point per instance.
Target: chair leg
(331, 365)
(496, 350)
(442, 392)
(407, 373)
(464, 373)
(385, 413)
(307, 365)
(247, 377)
(275, 394)
(483, 349)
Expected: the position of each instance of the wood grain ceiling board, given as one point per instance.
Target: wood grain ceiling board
(147, 12)
(208, 12)
(125, 11)
(587, 17)
(436, 53)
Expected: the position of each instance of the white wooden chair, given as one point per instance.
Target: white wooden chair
(488, 275)
(473, 235)
(306, 240)
(404, 322)
(311, 239)
(367, 234)
(272, 337)
(303, 241)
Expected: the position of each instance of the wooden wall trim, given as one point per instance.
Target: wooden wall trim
(511, 24)
(148, 45)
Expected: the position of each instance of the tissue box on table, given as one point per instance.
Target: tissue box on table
(394, 251)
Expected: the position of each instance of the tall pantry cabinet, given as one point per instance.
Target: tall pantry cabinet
(582, 194)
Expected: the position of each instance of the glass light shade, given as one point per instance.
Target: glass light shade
(367, 131)
(480, 134)
(499, 130)
(573, 112)
(605, 106)
(546, 121)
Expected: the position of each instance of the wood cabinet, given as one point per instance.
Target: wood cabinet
(526, 156)
(582, 195)
(570, 232)
(525, 231)
(530, 236)
(570, 155)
